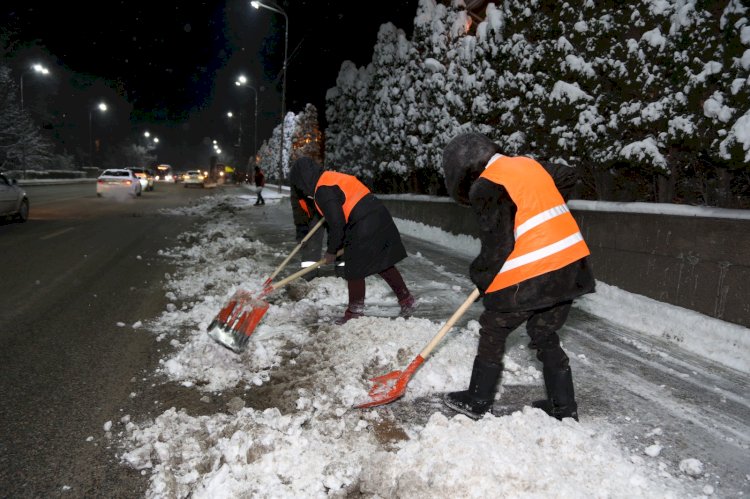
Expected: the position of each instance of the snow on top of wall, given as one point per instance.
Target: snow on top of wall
(610, 206)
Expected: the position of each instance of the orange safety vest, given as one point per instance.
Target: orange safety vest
(547, 236)
(353, 189)
(303, 205)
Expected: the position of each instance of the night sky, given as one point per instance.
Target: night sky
(176, 62)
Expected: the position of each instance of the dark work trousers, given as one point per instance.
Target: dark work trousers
(357, 289)
(541, 326)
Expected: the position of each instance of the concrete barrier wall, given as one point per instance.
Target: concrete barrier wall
(700, 263)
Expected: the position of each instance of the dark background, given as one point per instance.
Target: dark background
(174, 63)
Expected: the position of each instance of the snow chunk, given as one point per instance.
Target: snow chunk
(692, 467)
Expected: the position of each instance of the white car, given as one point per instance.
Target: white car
(118, 182)
(146, 177)
(193, 177)
(13, 200)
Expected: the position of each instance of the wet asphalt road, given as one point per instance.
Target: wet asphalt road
(68, 276)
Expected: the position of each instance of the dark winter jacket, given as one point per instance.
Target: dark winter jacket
(304, 214)
(260, 178)
(464, 159)
(370, 238)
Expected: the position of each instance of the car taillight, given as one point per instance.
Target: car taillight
(100, 181)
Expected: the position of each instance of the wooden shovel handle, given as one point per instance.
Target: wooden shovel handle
(300, 273)
(295, 250)
(449, 324)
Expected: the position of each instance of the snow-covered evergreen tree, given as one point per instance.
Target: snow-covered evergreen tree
(619, 90)
(22, 145)
(307, 138)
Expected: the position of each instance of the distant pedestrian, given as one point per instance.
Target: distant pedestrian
(533, 262)
(260, 181)
(360, 224)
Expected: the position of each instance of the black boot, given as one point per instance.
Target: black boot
(561, 401)
(478, 399)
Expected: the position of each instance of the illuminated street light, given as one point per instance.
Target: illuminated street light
(37, 68)
(242, 81)
(101, 107)
(257, 5)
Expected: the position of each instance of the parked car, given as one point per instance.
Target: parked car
(13, 200)
(118, 181)
(193, 177)
(146, 177)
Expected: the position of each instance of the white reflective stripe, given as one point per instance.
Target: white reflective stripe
(341, 264)
(540, 218)
(306, 264)
(541, 252)
(492, 159)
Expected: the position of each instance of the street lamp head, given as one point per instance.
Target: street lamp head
(40, 69)
(230, 114)
(102, 106)
(147, 134)
(242, 80)
(273, 7)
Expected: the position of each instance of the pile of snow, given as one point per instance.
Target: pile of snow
(313, 442)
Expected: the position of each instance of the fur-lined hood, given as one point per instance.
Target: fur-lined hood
(304, 175)
(464, 159)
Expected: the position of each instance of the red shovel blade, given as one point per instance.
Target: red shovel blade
(235, 322)
(391, 386)
(252, 318)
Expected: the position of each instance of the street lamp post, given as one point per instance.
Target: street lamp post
(101, 107)
(239, 130)
(38, 68)
(242, 81)
(257, 5)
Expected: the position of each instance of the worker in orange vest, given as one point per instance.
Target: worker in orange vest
(359, 223)
(532, 264)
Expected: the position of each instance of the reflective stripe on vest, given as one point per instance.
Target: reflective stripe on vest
(547, 236)
(353, 189)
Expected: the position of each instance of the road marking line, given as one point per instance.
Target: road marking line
(55, 234)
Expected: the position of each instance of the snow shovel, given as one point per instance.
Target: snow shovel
(235, 322)
(391, 386)
(294, 251)
(235, 314)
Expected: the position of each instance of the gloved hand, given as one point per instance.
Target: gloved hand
(330, 258)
